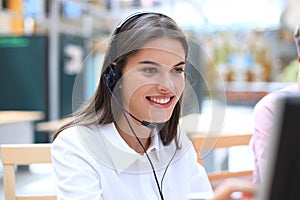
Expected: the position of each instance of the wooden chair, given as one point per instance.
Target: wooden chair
(25, 154)
(22, 154)
(203, 143)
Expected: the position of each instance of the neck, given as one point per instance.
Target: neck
(143, 134)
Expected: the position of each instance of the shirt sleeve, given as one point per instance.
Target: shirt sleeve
(75, 175)
(263, 122)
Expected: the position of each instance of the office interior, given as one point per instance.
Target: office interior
(51, 53)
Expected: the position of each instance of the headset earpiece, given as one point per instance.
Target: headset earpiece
(112, 76)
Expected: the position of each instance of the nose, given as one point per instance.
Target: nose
(165, 83)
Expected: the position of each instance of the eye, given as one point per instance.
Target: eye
(150, 70)
(178, 70)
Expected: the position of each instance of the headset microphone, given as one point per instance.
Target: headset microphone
(108, 83)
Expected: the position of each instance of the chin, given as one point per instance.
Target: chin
(161, 118)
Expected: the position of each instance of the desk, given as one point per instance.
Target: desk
(234, 129)
(17, 127)
(232, 120)
(222, 141)
(7, 117)
(52, 126)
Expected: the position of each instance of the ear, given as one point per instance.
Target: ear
(114, 74)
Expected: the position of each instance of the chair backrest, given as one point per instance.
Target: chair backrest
(203, 143)
(26, 154)
(22, 154)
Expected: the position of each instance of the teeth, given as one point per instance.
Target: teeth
(160, 100)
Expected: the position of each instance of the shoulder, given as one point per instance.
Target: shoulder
(87, 142)
(183, 139)
(67, 139)
(74, 138)
(267, 103)
(186, 145)
(71, 133)
(290, 88)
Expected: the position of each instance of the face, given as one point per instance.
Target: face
(153, 80)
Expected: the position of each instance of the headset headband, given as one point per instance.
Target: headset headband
(135, 15)
(122, 23)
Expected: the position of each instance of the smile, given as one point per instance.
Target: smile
(161, 100)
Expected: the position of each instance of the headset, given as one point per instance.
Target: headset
(113, 75)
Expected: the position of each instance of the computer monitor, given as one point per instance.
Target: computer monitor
(282, 173)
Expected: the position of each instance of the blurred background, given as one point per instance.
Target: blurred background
(45, 44)
(49, 47)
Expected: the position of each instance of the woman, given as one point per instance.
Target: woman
(125, 142)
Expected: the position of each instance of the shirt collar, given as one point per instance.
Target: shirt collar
(122, 155)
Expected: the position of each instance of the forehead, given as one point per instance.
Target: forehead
(169, 45)
(163, 50)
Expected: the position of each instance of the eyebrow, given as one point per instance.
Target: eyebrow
(159, 65)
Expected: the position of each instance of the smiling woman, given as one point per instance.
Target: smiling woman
(159, 80)
(127, 136)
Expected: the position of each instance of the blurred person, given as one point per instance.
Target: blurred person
(264, 120)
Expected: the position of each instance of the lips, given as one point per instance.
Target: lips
(160, 100)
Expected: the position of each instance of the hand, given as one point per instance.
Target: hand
(225, 190)
(297, 38)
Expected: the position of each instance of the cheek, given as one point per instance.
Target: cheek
(179, 86)
(134, 91)
(127, 95)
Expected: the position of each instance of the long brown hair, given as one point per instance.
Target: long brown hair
(126, 40)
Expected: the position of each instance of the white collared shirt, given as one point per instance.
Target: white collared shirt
(95, 163)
